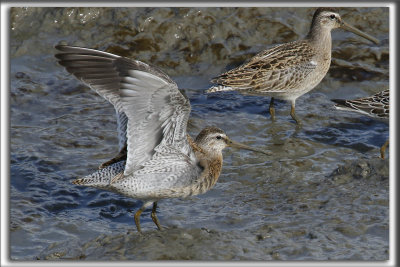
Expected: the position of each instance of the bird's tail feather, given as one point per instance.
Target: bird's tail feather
(219, 88)
(103, 177)
(340, 102)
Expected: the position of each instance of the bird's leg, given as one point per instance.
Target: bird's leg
(383, 148)
(137, 215)
(272, 109)
(293, 113)
(137, 219)
(154, 216)
(121, 156)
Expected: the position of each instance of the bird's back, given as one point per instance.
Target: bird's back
(276, 70)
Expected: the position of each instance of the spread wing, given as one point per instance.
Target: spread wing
(86, 65)
(152, 113)
(277, 69)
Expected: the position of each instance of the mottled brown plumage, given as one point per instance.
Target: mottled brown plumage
(289, 70)
(375, 106)
(264, 73)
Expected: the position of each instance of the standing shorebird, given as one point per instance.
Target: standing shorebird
(375, 106)
(157, 158)
(288, 70)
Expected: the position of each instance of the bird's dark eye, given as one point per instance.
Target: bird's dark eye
(332, 16)
(218, 137)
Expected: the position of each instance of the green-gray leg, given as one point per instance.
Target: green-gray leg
(137, 215)
(154, 216)
(293, 113)
(137, 219)
(383, 149)
(272, 109)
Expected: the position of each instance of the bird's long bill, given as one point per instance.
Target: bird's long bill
(350, 28)
(243, 146)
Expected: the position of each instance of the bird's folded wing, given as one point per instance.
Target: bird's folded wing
(376, 106)
(277, 69)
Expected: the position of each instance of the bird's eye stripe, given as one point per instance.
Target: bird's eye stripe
(218, 137)
(332, 16)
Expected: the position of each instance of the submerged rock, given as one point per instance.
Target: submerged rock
(369, 169)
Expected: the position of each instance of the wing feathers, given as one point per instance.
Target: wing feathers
(152, 114)
(279, 68)
(376, 106)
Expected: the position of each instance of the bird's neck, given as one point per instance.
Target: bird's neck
(211, 163)
(212, 166)
(320, 38)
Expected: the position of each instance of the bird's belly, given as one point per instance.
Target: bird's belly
(151, 188)
(159, 193)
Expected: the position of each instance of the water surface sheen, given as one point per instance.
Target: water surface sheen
(323, 195)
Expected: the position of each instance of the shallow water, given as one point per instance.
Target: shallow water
(323, 195)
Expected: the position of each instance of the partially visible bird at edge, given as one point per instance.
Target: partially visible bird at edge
(375, 106)
(289, 70)
(157, 158)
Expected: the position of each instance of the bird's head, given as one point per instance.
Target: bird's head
(213, 140)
